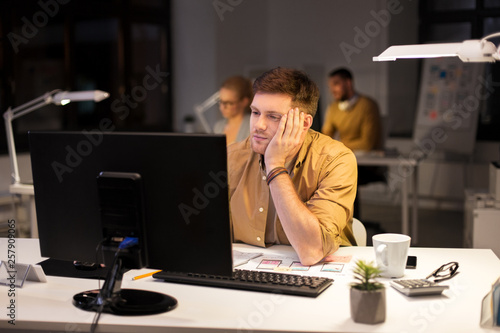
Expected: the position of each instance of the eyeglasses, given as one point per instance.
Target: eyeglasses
(227, 103)
(445, 272)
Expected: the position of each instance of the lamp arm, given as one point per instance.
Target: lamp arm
(32, 105)
(17, 112)
(201, 108)
(209, 102)
(21, 113)
(11, 146)
(496, 34)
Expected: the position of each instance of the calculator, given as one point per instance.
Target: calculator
(418, 287)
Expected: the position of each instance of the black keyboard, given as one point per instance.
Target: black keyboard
(270, 282)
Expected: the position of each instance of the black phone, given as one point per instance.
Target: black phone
(411, 262)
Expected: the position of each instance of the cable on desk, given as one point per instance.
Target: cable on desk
(97, 315)
(103, 299)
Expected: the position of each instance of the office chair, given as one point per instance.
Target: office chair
(359, 232)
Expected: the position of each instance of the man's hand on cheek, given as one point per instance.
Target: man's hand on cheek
(286, 140)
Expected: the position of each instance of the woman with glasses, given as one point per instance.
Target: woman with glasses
(235, 96)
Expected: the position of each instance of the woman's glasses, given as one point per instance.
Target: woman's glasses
(227, 103)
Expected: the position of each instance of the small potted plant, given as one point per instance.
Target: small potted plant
(367, 295)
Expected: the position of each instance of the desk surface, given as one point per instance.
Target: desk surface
(47, 306)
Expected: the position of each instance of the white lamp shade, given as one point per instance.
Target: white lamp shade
(467, 51)
(66, 97)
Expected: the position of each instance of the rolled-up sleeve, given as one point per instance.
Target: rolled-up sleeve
(327, 182)
(332, 202)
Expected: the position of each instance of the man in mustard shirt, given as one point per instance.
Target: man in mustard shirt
(355, 120)
(287, 183)
(354, 117)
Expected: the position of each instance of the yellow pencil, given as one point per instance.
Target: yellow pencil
(145, 275)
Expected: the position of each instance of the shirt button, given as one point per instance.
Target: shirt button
(261, 209)
(258, 239)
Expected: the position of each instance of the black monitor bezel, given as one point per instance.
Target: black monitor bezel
(176, 168)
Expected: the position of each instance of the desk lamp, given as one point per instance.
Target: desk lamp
(200, 109)
(56, 97)
(475, 50)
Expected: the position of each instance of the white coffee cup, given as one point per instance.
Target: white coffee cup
(391, 251)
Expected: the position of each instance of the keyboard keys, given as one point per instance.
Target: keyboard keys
(282, 283)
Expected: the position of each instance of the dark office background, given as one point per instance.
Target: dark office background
(122, 47)
(113, 45)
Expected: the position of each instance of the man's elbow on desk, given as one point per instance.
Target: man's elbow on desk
(310, 252)
(310, 256)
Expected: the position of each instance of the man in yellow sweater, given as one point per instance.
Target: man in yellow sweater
(353, 116)
(353, 119)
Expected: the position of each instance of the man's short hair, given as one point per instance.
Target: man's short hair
(294, 83)
(342, 72)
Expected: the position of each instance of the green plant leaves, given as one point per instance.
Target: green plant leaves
(366, 273)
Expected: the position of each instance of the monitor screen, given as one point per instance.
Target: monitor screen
(185, 195)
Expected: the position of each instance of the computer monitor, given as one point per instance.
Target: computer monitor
(172, 190)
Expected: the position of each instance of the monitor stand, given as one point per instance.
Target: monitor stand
(121, 201)
(128, 302)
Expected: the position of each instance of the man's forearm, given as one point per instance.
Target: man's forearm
(299, 223)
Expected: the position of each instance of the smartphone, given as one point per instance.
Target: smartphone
(411, 262)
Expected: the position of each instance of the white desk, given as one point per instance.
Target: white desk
(407, 171)
(47, 306)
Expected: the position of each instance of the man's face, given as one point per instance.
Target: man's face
(267, 110)
(339, 88)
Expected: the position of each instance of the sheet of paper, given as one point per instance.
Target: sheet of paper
(335, 267)
(240, 258)
(342, 259)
